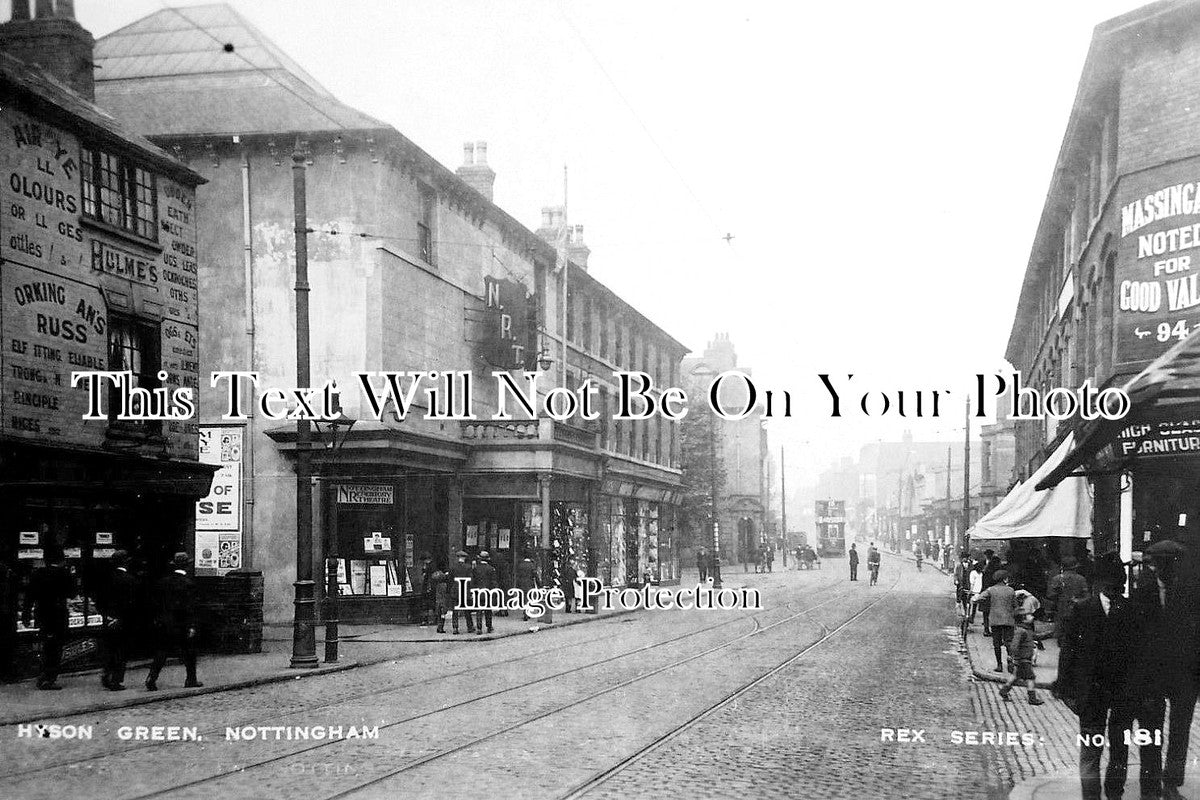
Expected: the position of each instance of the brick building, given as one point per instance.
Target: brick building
(97, 237)
(1110, 282)
(412, 266)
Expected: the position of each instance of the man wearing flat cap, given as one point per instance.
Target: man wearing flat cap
(1170, 642)
(1001, 608)
(175, 622)
(117, 604)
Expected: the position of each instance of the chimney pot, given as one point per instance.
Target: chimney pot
(547, 216)
(54, 41)
(468, 154)
(66, 9)
(481, 152)
(20, 10)
(44, 9)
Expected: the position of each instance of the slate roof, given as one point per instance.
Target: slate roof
(169, 74)
(58, 101)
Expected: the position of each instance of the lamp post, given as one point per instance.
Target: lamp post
(705, 372)
(342, 426)
(304, 642)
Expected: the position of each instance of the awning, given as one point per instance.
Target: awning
(1025, 512)
(1172, 380)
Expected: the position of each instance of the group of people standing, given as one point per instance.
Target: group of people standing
(1129, 661)
(172, 618)
(440, 589)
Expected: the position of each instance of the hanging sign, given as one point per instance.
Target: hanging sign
(29, 537)
(377, 542)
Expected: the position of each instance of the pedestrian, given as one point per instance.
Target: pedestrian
(1062, 592)
(117, 604)
(174, 623)
(483, 576)
(920, 557)
(873, 559)
(440, 580)
(460, 586)
(1167, 610)
(1097, 679)
(1020, 650)
(569, 575)
(976, 584)
(702, 564)
(50, 587)
(962, 582)
(527, 581)
(770, 557)
(853, 562)
(427, 571)
(990, 565)
(1001, 609)
(9, 613)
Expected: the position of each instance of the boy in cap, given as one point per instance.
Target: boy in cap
(1001, 607)
(1020, 650)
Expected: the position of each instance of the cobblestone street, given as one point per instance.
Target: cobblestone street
(789, 701)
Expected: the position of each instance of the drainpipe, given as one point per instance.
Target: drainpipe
(248, 443)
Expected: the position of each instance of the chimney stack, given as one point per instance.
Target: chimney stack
(577, 251)
(475, 171)
(54, 41)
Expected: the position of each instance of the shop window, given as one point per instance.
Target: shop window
(425, 223)
(133, 346)
(119, 193)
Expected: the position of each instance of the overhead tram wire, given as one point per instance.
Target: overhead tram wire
(718, 229)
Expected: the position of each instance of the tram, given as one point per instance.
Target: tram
(831, 528)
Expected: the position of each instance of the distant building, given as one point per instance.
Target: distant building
(742, 501)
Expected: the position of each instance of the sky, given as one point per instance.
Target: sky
(880, 166)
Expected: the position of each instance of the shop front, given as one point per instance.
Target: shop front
(89, 505)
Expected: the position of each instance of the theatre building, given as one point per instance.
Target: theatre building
(98, 258)
(412, 267)
(1111, 281)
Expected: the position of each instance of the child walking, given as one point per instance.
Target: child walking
(1020, 650)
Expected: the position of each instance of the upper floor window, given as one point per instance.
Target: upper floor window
(133, 346)
(119, 193)
(428, 203)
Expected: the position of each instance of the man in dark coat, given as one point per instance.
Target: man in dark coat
(427, 598)
(117, 604)
(50, 587)
(1062, 592)
(569, 574)
(174, 623)
(1099, 678)
(526, 580)
(702, 564)
(483, 576)
(1166, 600)
(8, 622)
(853, 563)
(458, 570)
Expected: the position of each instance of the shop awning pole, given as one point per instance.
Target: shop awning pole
(1126, 523)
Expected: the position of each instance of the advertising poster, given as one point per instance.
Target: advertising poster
(219, 515)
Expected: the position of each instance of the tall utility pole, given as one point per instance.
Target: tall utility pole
(783, 534)
(966, 513)
(949, 495)
(304, 640)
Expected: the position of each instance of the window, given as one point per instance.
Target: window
(428, 203)
(133, 347)
(119, 193)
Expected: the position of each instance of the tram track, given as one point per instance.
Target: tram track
(378, 692)
(330, 745)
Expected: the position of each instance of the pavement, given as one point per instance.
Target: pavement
(360, 645)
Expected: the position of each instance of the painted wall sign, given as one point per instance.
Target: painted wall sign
(1158, 261)
(1160, 437)
(61, 271)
